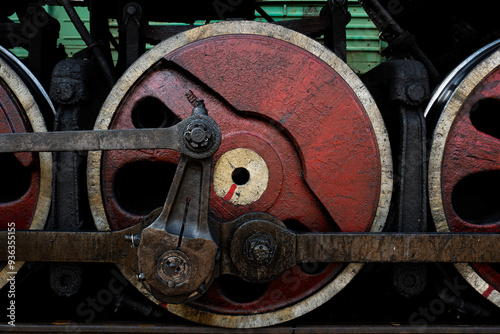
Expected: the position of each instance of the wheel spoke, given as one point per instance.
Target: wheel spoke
(464, 163)
(26, 178)
(470, 151)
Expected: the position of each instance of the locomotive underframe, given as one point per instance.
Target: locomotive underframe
(400, 87)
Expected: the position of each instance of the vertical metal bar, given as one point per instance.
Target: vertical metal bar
(69, 91)
(335, 37)
(401, 87)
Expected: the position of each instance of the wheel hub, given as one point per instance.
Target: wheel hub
(241, 176)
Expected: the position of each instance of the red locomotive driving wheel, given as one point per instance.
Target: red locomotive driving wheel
(464, 166)
(302, 140)
(26, 178)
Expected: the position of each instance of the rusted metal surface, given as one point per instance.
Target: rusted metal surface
(46, 246)
(255, 64)
(427, 247)
(89, 140)
(471, 150)
(324, 168)
(177, 252)
(280, 244)
(167, 138)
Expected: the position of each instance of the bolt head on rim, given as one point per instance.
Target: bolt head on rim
(260, 249)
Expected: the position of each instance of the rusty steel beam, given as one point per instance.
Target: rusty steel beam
(52, 246)
(89, 140)
(375, 247)
(311, 247)
(171, 138)
(308, 26)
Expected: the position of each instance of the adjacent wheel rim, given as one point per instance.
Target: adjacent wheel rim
(464, 165)
(23, 103)
(184, 51)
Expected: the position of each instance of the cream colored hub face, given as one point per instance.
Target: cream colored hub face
(241, 176)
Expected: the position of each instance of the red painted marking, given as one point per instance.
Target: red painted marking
(488, 292)
(163, 305)
(230, 193)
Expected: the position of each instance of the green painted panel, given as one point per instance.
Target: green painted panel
(68, 35)
(363, 44)
(19, 52)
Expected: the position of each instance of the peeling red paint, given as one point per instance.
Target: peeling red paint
(294, 111)
(469, 151)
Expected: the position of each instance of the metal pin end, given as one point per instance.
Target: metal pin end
(201, 289)
(199, 108)
(135, 239)
(141, 277)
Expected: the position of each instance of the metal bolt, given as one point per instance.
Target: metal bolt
(199, 107)
(261, 253)
(260, 249)
(131, 10)
(65, 92)
(415, 93)
(141, 277)
(410, 281)
(198, 135)
(174, 268)
(135, 239)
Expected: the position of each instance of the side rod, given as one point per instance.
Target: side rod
(57, 246)
(48, 246)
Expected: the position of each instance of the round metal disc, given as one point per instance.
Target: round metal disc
(302, 140)
(25, 178)
(464, 166)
